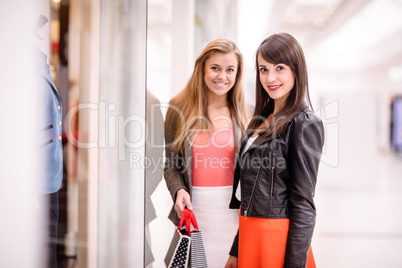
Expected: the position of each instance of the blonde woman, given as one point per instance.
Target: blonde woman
(203, 126)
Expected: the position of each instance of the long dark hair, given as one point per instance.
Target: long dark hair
(281, 48)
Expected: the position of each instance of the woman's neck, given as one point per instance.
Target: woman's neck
(216, 102)
(278, 107)
(219, 112)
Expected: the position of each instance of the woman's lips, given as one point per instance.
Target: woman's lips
(220, 84)
(274, 88)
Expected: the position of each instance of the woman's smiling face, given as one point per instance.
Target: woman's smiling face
(220, 72)
(277, 79)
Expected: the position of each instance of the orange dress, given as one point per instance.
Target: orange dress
(262, 243)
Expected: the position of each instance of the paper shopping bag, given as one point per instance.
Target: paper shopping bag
(198, 258)
(187, 247)
(179, 250)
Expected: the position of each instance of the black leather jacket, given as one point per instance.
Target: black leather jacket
(278, 177)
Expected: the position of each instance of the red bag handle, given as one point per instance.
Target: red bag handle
(184, 216)
(194, 220)
(188, 218)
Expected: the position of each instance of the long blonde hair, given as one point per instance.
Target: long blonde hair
(191, 102)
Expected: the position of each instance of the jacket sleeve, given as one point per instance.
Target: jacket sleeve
(305, 148)
(173, 170)
(235, 246)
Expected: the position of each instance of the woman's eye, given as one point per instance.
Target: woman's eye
(231, 70)
(263, 70)
(214, 68)
(280, 68)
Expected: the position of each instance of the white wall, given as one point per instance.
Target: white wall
(21, 227)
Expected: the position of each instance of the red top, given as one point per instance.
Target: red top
(213, 158)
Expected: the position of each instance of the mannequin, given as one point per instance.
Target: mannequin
(50, 145)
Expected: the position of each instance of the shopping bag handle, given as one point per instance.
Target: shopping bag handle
(188, 218)
(193, 220)
(185, 218)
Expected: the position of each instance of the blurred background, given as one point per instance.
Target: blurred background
(117, 63)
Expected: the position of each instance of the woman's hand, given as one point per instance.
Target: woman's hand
(182, 201)
(232, 262)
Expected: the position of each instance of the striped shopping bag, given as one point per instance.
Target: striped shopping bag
(197, 251)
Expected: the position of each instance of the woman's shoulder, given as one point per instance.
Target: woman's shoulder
(306, 115)
(304, 120)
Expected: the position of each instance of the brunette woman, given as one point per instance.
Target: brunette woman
(276, 174)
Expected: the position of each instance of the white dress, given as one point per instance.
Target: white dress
(213, 168)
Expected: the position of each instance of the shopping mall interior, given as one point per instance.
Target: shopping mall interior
(117, 63)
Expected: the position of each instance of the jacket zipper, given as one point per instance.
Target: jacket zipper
(272, 180)
(252, 193)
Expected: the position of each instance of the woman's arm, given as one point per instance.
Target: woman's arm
(182, 201)
(232, 262)
(235, 246)
(305, 148)
(173, 171)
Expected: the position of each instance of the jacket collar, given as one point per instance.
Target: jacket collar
(44, 70)
(258, 141)
(261, 139)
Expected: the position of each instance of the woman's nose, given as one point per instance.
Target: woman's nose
(221, 75)
(271, 77)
